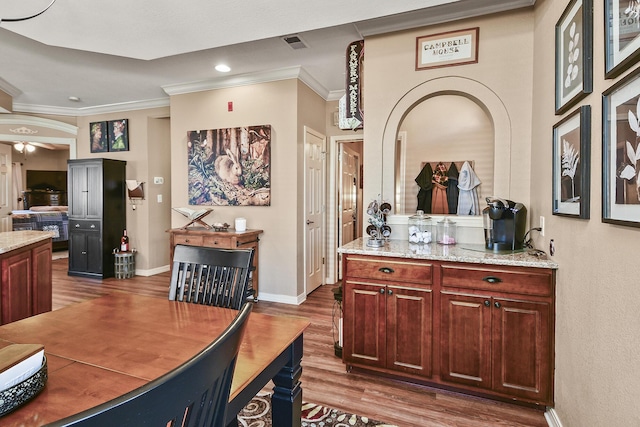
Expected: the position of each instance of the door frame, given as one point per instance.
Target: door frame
(331, 266)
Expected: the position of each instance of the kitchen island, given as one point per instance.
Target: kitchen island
(25, 283)
(452, 316)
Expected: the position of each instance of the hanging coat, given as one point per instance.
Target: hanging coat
(424, 194)
(439, 203)
(468, 183)
(452, 188)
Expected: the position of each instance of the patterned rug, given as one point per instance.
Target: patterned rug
(258, 414)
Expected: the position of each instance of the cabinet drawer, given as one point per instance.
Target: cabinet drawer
(187, 239)
(389, 269)
(526, 281)
(86, 225)
(217, 242)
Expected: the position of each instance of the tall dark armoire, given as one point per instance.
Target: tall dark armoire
(97, 215)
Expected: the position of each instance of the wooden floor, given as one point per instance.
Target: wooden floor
(324, 379)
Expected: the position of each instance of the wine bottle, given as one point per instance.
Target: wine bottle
(124, 242)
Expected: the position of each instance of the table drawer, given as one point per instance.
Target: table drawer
(389, 269)
(217, 242)
(187, 239)
(526, 281)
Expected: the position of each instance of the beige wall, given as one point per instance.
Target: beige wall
(148, 156)
(286, 106)
(499, 83)
(597, 326)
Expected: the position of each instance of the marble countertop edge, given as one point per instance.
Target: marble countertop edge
(451, 253)
(12, 240)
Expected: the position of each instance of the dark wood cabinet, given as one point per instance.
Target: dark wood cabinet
(390, 321)
(485, 330)
(97, 215)
(25, 286)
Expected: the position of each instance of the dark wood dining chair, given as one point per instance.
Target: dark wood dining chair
(195, 394)
(211, 276)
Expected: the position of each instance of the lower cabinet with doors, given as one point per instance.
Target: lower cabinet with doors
(388, 305)
(483, 329)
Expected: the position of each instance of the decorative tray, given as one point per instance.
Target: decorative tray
(21, 393)
(220, 227)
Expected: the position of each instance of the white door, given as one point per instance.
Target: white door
(5, 188)
(314, 145)
(349, 165)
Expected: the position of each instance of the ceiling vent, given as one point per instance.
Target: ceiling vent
(295, 42)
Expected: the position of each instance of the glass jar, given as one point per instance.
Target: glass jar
(446, 232)
(419, 228)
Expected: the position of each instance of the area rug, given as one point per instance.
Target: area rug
(258, 414)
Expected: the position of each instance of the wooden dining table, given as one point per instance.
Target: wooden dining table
(102, 348)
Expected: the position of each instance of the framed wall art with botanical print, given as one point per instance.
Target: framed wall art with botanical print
(621, 152)
(574, 54)
(571, 164)
(622, 35)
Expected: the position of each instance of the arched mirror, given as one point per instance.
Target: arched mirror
(443, 131)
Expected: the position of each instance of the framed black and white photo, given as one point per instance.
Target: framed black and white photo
(574, 54)
(622, 35)
(621, 152)
(571, 164)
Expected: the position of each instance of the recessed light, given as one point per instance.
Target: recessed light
(223, 68)
(74, 99)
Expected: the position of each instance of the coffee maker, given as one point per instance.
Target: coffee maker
(504, 224)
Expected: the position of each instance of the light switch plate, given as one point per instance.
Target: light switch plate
(158, 180)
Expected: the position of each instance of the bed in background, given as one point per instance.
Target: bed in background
(45, 218)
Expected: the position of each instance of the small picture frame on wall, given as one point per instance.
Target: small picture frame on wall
(621, 152)
(119, 135)
(571, 164)
(574, 54)
(447, 49)
(98, 136)
(622, 35)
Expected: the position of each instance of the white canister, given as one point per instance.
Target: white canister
(241, 224)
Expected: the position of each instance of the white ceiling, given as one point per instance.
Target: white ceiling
(110, 53)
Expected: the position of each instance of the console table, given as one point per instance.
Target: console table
(231, 239)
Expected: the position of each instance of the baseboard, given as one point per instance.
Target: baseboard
(153, 271)
(262, 296)
(552, 418)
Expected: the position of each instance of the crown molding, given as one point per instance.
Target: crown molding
(89, 111)
(22, 120)
(249, 79)
(452, 11)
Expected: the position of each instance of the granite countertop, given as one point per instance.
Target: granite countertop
(11, 240)
(470, 253)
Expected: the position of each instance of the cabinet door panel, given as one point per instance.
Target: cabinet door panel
(42, 279)
(409, 330)
(364, 337)
(521, 348)
(78, 251)
(16, 294)
(77, 184)
(466, 339)
(94, 191)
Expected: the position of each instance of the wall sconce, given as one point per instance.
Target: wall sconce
(135, 190)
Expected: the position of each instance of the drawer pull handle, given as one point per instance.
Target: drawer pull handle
(497, 304)
(492, 279)
(390, 292)
(386, 270)
(382, 291)
(487, 303)
(93, 226)
(77, 225)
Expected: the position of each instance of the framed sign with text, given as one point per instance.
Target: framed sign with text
(447, 49)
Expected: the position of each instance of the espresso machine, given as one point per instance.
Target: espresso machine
(504, 224)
